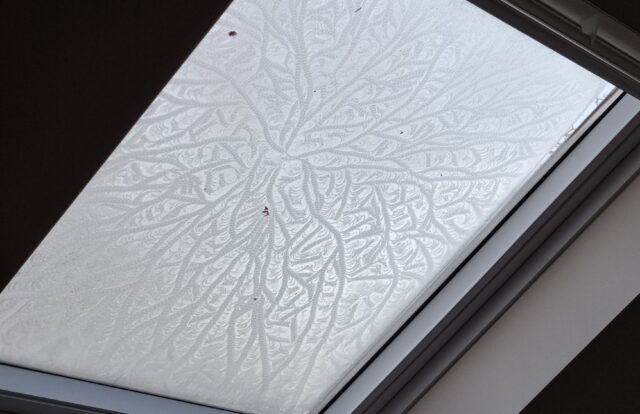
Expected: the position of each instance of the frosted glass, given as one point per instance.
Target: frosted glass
(307, 178)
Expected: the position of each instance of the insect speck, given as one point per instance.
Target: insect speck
(358, 9)
(232, 33)
(265, 211)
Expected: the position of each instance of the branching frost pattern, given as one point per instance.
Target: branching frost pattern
(294, 189)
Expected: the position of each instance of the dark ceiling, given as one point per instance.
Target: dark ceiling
(603, 378)
(625, 11)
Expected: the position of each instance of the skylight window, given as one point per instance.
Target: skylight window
(311, 174)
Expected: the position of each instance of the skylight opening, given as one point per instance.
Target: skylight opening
(310, 175)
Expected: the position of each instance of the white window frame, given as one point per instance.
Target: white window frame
(605, 160)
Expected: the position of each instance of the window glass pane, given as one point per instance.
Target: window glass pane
(308, 177)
